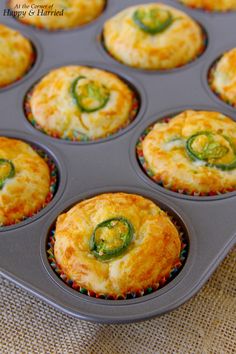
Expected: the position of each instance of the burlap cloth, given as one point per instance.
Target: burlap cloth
(206, 324)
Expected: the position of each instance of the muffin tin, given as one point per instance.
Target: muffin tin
(110, 164)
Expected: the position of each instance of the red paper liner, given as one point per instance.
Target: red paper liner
(157, 179)
(210, 78)
(131, 295)
(77, 136)
(54, 181)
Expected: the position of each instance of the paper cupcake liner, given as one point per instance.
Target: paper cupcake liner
(200, 52)
(31, 64)
(131, 295)
(75, 135)
(54, 180)
(157, 179)
(210, 78)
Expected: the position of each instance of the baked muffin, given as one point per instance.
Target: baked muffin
(193, 152)
(16, 55)
(211, 5)
(24, 181)
(222, 77)
(59, 14)
(153, 36)
(116, 243)
(81, 103)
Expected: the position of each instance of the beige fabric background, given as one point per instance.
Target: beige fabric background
(205, 325)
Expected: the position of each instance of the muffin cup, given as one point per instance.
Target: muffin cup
(80, 137)
(33, 60)
(54, 181)
(131, 295)
(210, 78)
(200, 53)
(157, 179)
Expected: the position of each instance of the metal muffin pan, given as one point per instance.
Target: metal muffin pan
(87, 169)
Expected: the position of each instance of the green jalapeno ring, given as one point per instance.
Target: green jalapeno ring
(211, 150)
(160, 26)
(203, 156)
(107, 254)
(10, 174)
(92, 93)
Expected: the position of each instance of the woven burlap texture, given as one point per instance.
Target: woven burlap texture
(204, 325)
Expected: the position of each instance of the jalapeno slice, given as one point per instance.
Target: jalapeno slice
(7, 170)
(215, 149)
(153, 21)
(90, 96)
(111, 238)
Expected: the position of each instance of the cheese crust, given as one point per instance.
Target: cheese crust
(154, 250)
(16, 55)
(54, 109)
(25, 193)
(223, 77)
(211, 5)
(165, 154)
(75, 12)
(178, 45)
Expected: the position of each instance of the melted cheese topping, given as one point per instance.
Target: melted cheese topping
(223, 77)
(179, 44)
(212, 5)
(16, 55)
(75, 12)
(55, 110)
(25, 193)
(150, 256)
(164, 150)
